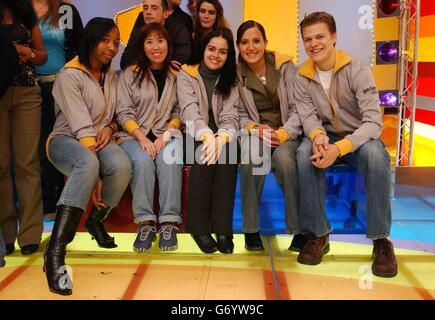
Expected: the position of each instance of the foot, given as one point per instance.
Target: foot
(146, 234)
(253, 242)
(168, 237)
(206, 243)
(384, 260)
(29, 249)
(10, 248)
(298, 242)
(225, 243)
(314, 249)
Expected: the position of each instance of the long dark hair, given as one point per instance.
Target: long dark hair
(94, 33)
(228, 74)
(198, 29)
(142, 61)
(22, 12)
(246, 26)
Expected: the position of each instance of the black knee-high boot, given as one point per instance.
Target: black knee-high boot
(94, 225)
(64, 230)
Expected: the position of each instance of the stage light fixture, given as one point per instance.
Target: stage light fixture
(388, 8)
(389, 98)
(387, 52)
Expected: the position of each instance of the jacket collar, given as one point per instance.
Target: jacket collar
(192, 70)
(308, 68)
(75, 64)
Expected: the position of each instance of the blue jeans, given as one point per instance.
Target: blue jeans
(83, 169)
(373, 161)
(169, 175)
(256, 162)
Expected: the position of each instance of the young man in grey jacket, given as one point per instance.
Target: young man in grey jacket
(338, 106)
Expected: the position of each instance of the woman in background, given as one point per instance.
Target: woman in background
(20, 122)
(209, 17)
(62, 30)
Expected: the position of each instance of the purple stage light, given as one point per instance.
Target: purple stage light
(388, 98)
(388, 7)
(388, 52)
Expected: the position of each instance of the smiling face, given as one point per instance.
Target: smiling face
(319, 45)
(216, 53)
(207, 15)
(107, 48)
(252, 46)
(156, 50)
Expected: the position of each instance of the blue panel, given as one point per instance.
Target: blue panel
(343, 200)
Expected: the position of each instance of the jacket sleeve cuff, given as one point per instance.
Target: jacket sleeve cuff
(176, 122)
(314, 133)
(206, 136)
(130, 126)
(88, 141)
(282, 135)
(345, 146)
(250, 126)
(225, 136)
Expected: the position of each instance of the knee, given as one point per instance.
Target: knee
(142, 162)
(373, 155)
(303, 152)
(89, 164)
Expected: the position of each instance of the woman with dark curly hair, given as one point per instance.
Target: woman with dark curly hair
(208, 99)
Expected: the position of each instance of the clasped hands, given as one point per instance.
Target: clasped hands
(211, 149)
(324, 153)
(267, 134)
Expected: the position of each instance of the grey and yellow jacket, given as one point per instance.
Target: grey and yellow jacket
(83, 108)
(139, 106)
(248, 112)
(352, 108)
(192, 97)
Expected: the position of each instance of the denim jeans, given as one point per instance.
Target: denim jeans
(256, 162)
(373, 161)
(83, 168)
(169, 175)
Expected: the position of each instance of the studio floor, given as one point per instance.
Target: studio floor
(121, 274)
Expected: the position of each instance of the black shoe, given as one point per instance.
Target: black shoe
(94, 225)
(225, 243)
(298, 242)
(64, 230)
(205, 242)
(10, 248)
(253, 242)
(29, 249)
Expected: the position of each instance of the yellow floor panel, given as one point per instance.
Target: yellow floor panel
(188, 274)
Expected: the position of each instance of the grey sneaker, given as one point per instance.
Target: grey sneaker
(168, 237)
(146, 234)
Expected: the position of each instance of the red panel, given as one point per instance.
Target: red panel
(427, 7)
(426, 69)
(426, 87)
(424, 116)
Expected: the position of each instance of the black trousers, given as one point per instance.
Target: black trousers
(52, 181)
(211, 193)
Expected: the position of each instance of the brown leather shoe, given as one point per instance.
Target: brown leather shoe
(314, 249)
(384, 260)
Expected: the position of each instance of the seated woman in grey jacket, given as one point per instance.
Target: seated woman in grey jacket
(268, 116)
(148, 111)
(81, 147)
(208, 99)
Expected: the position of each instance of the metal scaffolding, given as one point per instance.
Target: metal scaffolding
(409, 28)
